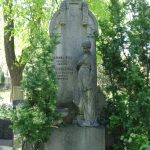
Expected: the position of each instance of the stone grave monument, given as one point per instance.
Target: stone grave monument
(75, 65)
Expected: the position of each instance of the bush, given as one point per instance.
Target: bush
(124, 47)
(33, 120)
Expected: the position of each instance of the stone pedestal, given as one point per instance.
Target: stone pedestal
(5, 148)
(76, 138)
(17, 98)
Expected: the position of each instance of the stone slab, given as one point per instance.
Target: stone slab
(5, 148)
(5, 131)
(6, 142)
(76, 138)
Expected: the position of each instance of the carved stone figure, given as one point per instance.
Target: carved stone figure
(87, 95)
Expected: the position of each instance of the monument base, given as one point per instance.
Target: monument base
(76, 138)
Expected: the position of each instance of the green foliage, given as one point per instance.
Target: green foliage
(39, 84)
(124, 47)
(33, 120)
(99, 8)
(30, 17)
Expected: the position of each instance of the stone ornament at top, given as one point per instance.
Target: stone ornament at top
(74, 0)
(65, 5)
(61, 16)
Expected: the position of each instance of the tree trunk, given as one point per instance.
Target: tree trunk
(15, 69)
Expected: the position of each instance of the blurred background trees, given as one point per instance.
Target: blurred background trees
(124, 46)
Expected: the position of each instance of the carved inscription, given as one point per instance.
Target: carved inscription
(63, 67)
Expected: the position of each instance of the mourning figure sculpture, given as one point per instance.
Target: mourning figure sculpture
(85, 69)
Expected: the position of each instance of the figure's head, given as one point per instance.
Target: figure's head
(86, 45)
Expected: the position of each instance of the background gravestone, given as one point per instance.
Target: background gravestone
(5, 131)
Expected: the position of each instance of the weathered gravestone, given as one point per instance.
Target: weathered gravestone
(74, 23)
(75, 66)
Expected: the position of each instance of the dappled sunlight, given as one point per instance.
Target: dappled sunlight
(5, 96)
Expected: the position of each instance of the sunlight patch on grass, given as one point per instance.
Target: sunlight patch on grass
(5, 96)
